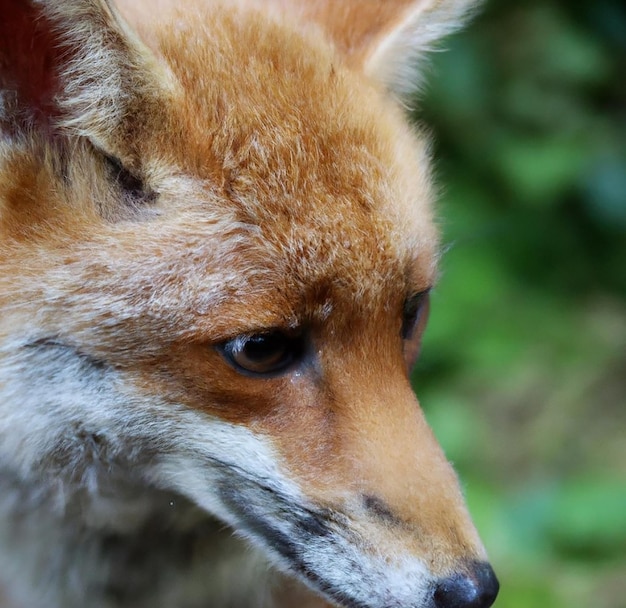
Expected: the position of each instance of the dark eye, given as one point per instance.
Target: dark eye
(129, 183)
(415, 308)
(263, 354)
(415, 315)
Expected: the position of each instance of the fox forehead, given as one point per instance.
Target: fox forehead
(294, 143)
(288, 182)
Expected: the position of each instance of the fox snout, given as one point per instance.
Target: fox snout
(376, 508)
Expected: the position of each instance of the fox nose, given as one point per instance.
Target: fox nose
(475, 588)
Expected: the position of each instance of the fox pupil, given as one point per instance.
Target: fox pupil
(268, 353)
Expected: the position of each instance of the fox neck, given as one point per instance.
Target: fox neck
(137, 547)
(81, 524)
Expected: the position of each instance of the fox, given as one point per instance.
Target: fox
(217, 244)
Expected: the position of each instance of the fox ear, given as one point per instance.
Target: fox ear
(395, 56)
(68, 63)
(387, 39)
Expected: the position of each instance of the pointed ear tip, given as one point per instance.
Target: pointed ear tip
(401, 57)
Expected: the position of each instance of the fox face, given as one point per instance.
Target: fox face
(216, 248)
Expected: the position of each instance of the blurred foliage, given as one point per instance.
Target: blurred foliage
(523, 372)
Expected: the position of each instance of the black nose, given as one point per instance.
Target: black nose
(476, 587)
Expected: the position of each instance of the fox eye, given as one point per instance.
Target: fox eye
(129, 183)
(415, 308)
(266, 354)
(415, 315)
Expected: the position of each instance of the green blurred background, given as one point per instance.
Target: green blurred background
(523, 371)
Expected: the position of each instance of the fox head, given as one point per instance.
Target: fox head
(216, 248)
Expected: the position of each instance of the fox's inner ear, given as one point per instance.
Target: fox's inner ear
(71, 64)
(386, 39)
(30, 49)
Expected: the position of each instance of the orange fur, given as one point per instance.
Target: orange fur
(292, 194)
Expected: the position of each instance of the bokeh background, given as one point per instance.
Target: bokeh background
(523, 371)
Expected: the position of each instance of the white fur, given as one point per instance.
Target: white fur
(397, 60)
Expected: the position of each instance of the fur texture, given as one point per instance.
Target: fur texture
(172, 180)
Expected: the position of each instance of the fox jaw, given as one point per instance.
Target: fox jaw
(216, 247)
